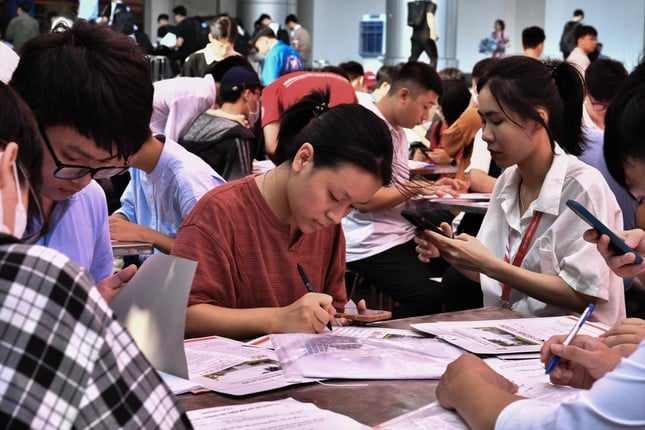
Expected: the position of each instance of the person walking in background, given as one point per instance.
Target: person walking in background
(501, 36)
(300, 39)
(568, 38)
(586, 41)
(421, 17)
(22, 28)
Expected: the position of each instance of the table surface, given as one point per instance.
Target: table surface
(369, 402)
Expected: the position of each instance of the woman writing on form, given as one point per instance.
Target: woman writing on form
(529, 254)
(249, 235)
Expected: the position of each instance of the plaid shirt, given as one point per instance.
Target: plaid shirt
(65, 362)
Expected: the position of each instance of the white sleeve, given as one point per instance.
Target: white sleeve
(480, 158)
(614, 401)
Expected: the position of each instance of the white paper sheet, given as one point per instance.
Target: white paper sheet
(335, 356)
(176, 384)
(287, 414)
(230, 367)
(508, 336)
(527, 374)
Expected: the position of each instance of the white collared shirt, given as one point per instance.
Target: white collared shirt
(558, 247)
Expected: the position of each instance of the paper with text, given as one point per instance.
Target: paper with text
(334, 356)
(508, 336)
(286, 414)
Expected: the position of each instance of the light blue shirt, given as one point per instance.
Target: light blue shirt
(79, 228)
(162, 199)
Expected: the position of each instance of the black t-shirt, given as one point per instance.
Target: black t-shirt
(420, 29)
(187, 30)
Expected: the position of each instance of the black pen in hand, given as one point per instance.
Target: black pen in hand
(310, 287)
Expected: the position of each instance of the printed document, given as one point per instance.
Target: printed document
(508, 336)
(228, 366)
(286, 414)
(335, 356)
(527, 374)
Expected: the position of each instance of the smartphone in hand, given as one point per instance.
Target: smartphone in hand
(618, 244)
(368, 315)
(419, 220)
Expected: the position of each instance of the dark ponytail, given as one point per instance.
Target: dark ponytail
(523, 84)
(343, 134)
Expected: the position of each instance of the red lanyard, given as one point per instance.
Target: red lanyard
(519, 257)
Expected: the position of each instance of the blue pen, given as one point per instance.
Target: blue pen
(574, 331)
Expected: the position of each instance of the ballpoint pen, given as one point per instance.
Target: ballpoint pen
(310, 287)
(571, 335)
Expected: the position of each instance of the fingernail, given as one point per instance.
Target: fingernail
(557, 348)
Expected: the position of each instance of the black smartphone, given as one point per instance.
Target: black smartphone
(594, 222)
(419, 220)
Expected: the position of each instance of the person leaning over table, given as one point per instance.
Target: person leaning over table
(611, 368)
(249, 235)
(65, 361)
(625, 156)
(531, 113)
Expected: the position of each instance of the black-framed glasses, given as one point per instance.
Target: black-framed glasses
(72, 171)
(36, 223)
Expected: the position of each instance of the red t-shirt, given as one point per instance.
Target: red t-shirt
(288, 89)
(243, 254)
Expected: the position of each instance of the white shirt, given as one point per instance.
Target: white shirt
(558, 247)
(177, 101)
(480, 158)
(371, 233)
(615, 401)
(8, 62)
(579, 59)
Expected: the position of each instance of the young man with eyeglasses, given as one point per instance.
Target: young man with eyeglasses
(91, 91)
(65, 361)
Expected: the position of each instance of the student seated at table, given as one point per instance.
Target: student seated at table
(66, 361)
(529, 254)
(380, 243)
(624, 141)
(249, 235)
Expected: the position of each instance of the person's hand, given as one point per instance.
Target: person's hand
(110, 286)
(360, 306)
(439, 156)
(456, 184)
(621, 264)
(625, 337)
(428, 188)
(308, 314)
(420, 155)
(122, 229)
(425, 248)
(463, 252)
(468, 370)
(581, 363)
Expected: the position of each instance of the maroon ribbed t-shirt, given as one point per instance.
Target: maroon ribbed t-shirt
(243, 254)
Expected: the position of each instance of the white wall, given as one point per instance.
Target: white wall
(334, 25)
